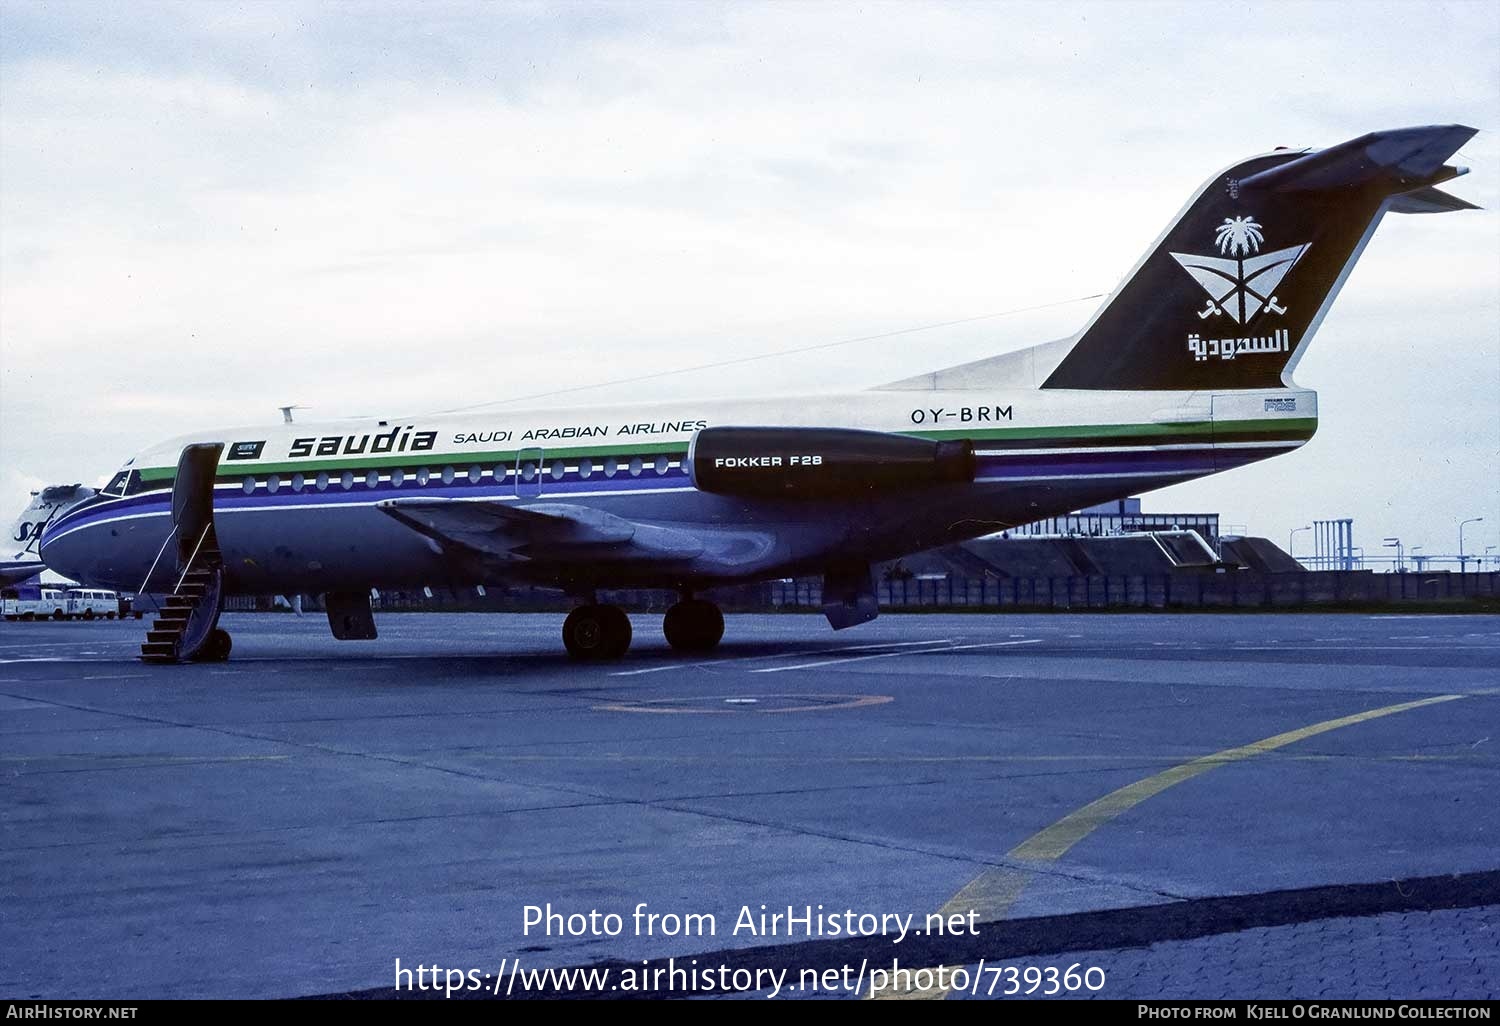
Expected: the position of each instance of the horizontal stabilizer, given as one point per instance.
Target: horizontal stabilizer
(1429, 201)
(1409, 157)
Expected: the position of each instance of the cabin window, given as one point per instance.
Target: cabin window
(662, 463)
(248, 486)
(558, 470)
(475, 473)
(448, 475)
(273, 484)
(397, 476)
(346, 482)
(528, 471)
(611, 467)
(298, 482)
(585, 468)
(372, 479)
(322, 482)
(423, 476)
(500, 472)
(635, 467)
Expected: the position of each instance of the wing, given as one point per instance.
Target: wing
(557, 532)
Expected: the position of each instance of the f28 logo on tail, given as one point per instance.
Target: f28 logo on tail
(1242, 281)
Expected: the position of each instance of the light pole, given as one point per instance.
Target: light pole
(1421, 561)
(1463, 560)
(1291, 535)
(1395, 543)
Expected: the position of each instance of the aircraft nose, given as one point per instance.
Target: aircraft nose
(63, 550)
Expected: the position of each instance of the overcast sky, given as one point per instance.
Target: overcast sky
(209, 210)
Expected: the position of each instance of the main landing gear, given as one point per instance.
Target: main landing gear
(693, 625)
(596, 632)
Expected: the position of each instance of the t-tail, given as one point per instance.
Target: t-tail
(1230, 295)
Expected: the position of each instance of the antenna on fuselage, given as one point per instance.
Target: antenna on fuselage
(286, 412)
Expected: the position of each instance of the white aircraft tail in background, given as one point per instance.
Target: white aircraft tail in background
(21, 559)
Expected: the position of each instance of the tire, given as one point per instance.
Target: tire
(694, 625)
(217, 648)
(59, 615)
(618, 625)
(88, 614)
(586, 633)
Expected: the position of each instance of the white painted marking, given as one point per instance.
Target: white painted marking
(887, 655)
(778, 655)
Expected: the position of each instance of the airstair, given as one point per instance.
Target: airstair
(186, 627)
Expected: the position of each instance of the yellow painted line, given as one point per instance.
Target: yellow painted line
(1052, 843)
(993, 892)
(1477, 754)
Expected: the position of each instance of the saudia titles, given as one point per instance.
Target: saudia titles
(397, 439)
(1240, 287)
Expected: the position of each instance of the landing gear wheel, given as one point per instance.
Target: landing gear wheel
(619, 631)
(595, 632)
(693, 625)
(216, 649)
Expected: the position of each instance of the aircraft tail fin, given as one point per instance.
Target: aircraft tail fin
(1231, 293)
(26, 529)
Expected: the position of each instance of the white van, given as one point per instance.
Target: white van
(88, 603)
(35, 602)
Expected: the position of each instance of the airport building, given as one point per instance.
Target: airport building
(1123, 516)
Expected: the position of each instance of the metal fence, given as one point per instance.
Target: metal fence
(1242, 589)
(1229, 590)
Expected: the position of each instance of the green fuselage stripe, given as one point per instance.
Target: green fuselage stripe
(1289, 427)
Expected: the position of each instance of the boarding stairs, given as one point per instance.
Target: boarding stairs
(188, 616)
(187, 622)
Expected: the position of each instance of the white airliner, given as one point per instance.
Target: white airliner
(1185, 370)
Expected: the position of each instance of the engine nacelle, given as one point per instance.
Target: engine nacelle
(822, 463)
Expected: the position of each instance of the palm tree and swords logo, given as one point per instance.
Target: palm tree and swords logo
(1245, 283)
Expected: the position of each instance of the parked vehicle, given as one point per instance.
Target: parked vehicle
(34, 602)
(89, 603)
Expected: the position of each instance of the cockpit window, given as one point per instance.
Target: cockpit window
(116, 484)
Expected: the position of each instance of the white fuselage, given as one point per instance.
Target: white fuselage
(295, 506)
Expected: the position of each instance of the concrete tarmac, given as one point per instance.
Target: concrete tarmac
(294, 821)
